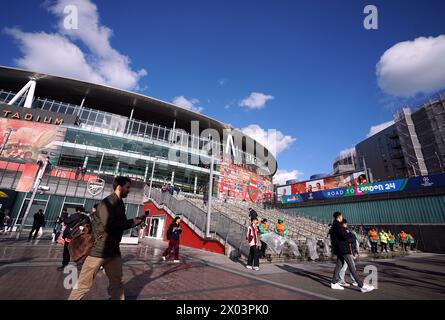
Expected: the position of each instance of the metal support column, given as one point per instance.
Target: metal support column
(151, 178)
(209, 202)
(34, 192)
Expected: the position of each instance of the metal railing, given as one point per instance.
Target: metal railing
(223, 227)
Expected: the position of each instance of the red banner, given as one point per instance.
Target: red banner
(29, 140)
(27, 178)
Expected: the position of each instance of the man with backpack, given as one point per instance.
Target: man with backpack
(72, 223)
(173, 233)
(107, 229)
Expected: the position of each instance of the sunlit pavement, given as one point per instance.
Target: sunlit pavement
(29, 271)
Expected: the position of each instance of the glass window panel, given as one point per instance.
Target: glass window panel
(100, 119)
(84, 114)
(92, 116)
(70, 110)
(62, 108)
(155, 132)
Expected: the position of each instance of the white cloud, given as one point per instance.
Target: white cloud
(187, 103)
(412, 67)
(57, 53)
(281, 176)
(379, 127)
(256, 100)
(275, 141)
(346, 152)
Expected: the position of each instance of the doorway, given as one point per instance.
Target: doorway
(36, 206)
(156, 230)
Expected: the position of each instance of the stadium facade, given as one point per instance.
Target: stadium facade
(92, 133)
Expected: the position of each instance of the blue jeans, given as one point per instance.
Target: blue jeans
(343, 272)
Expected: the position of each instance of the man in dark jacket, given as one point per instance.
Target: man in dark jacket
(71, 222)
(39, 221)
(108, 227)
(341, 241)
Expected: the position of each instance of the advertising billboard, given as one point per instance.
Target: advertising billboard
(238, 183)
(24, 143)
(433, 181)
(29, 141)
(344, 180)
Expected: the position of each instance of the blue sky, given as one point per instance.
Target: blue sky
(311, 63)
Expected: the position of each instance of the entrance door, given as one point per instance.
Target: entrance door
(36, 205)
(157, 227)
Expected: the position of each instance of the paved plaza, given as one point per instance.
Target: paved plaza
(29, 271)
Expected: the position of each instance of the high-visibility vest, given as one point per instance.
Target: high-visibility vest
(281, 227)
(391, 238)
(373, 236)
(383, 237)
(403, 236)
(263, 227)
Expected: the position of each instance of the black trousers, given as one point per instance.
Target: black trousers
(34, 229)
(66, 254)
(383, 246)
(373, 247)
(263, 249)
(254, 257)
(391, 246)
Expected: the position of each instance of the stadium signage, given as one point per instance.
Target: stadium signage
(36, 115)
(31, 117)
(437, 181)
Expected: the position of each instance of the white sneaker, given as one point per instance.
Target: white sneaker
(256, 268)
(344, 284)
(249, 267)
(367, 288)
(336, 286)
(355, 284)
(176, 261)
(164, 258)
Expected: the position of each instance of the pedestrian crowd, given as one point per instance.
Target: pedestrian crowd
(385, 239)
(257, 247)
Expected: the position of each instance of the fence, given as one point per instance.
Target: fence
(230, 231)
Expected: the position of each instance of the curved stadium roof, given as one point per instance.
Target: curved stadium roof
(108, 99)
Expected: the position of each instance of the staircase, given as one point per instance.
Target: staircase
(229, 221)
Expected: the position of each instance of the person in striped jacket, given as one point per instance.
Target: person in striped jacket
(253, 261)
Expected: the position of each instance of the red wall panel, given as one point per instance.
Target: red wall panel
(189, 237)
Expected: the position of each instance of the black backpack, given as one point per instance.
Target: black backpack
(73, 228)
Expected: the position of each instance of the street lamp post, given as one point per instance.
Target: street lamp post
(34, 192)
(8, 134)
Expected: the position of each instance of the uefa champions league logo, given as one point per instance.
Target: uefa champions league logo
(426, 182)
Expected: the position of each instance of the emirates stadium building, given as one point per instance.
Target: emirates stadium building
(92, 133)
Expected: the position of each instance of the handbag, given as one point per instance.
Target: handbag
(81, 243)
